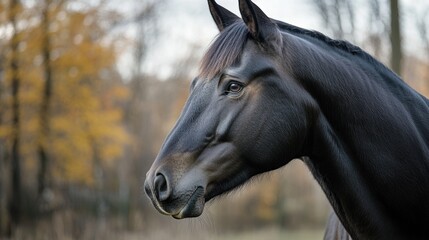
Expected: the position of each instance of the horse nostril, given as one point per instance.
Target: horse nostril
(161, 186)
(147, 189)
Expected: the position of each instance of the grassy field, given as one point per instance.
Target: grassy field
(273, 234)
(264, 234)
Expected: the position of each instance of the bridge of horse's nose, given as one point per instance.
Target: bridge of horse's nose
(162, 187)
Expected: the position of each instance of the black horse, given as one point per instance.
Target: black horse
(269, 92)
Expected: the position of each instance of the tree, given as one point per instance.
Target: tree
(83, 116)
(338, 16)
(138, 108)
(377, 29)
(44, 114)
(395, 37)
(4, 173)
(62, 120)
(423, 29)
(15, 200)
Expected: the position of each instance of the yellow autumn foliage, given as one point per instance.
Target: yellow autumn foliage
(85, 118)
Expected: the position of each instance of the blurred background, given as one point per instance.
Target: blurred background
(90, 88)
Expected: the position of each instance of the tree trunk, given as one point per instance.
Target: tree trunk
(4, 176)
(45, 105)
(15, 200)
(4, 216)
(101, 206)
(395, 37)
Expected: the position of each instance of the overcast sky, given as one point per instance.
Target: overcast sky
(187, 23)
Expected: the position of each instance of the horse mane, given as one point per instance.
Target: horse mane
(340, 44)
(337, 44)
(225, 50)
(228, 46)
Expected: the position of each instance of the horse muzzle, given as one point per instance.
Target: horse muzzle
(179, 184)
(176, 201)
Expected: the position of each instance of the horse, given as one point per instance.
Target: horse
(268, 92)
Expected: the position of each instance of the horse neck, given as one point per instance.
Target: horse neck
(369, 148)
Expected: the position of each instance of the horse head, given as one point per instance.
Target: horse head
(245, 115)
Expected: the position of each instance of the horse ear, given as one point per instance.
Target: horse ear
(222, 17)
(260, 25)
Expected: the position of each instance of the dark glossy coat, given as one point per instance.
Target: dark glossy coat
(269, 92)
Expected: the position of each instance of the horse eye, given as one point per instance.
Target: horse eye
(234, 87)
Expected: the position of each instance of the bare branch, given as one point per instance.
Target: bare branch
(422, 28)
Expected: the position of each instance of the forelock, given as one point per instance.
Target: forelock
(225, 50)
